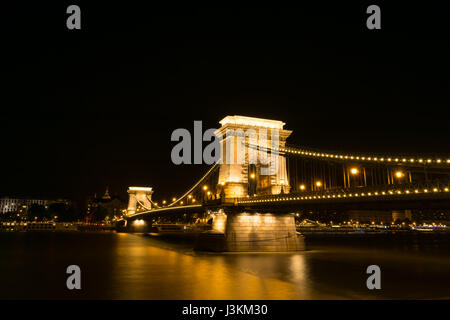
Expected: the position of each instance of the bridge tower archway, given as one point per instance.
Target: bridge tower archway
(245, 167)
(139, 196)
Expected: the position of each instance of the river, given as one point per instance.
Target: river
(134, 266)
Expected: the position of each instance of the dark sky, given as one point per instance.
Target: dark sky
(85, 109)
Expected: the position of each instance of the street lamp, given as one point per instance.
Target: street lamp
(399, 174)
(282, 186)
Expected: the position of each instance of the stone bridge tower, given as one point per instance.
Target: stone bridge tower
(239, 173)
(142, 195)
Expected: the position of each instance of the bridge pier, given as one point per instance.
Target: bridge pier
(254, 232)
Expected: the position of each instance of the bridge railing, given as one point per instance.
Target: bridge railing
(398, 189)
(435, 160)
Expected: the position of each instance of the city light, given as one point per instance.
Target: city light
(302, 187)
(139, 222)
(205, 187)
(399, 174)
(354, 171)
(252, 176)
(318, 183)
(364, 158)
(344, 195)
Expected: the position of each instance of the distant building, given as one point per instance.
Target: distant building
(104, 208)
(378, 216)
(21, 205)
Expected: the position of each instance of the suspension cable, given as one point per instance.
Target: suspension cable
(195, 185)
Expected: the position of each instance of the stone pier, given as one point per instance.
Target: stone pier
(253, 232)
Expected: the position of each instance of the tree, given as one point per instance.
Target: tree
(65, 213)
(37, 210)
(57, 210)
(100, 213)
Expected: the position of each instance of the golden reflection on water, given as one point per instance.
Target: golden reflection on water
(131, 266)
(146, 268)
(144, 271)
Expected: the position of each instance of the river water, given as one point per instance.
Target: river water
(134, 266)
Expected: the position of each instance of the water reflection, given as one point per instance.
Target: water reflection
(130, 266)
(142, 270)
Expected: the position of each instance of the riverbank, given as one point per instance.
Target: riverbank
(53, 226)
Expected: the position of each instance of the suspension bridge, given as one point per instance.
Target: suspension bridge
(251, 204)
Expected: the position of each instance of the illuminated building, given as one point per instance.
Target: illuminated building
(105, 207)
(21, 205)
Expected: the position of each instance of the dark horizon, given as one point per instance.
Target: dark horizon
(87, 109)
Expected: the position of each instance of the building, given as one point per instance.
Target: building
(21, 205)
(378, 216)
(105, 208)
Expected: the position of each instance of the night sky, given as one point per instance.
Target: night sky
(82, 110)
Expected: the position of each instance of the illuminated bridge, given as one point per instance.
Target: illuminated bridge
(252, 193)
